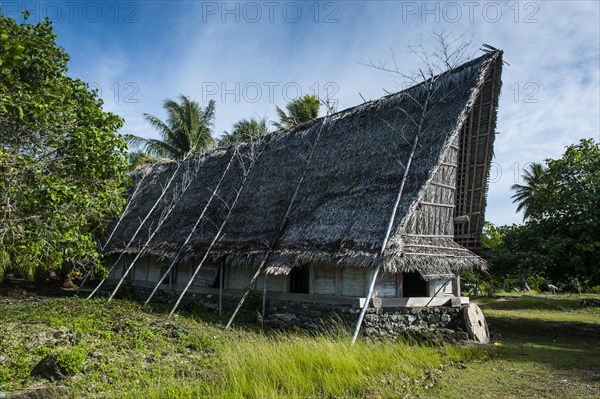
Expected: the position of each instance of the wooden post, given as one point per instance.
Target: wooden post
(130, 200)
(189, 237)
(281, 227)
(264, 298)
(187, 181)
(164, 191)
(218, 235)
(456, 285)
(221, 270)
(424, 112)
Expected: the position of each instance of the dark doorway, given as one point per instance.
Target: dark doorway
(299, 280)
(413, 285)
(217, 281)
(163, 270)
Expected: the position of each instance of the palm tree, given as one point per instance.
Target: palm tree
(137, 158)
(303, 109)
(187, 131)
(525, 193)
(245, 129)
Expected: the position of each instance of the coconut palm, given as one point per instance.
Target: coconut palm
(245, 129)
(137, 158)
(187, 131)
(303, 109)
(525, 193)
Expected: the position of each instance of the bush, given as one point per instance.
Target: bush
(71, 359)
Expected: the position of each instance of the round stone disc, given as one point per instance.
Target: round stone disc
(475, 324)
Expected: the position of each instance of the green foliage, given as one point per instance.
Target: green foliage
(300, 110)
(560, 240)
(187, 131)
(137, 158)
(63, 165)
(492, 235)
(245, 129)
(70, 359)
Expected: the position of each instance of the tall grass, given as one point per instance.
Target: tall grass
(324, 366)
(116, 350)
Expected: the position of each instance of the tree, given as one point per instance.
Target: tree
(187, 131)
(525, 194)
(570, 193)
(245, 129)
(300, 110)
(63, 165)
(492, 235)
(561, 237)
(137, 158)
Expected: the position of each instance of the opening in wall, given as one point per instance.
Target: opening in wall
(299, 280)
(217, 280)
(413, 285)
(163, 270)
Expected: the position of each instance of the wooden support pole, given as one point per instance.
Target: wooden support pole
(363, 311)
(191, 233)
(456, 285)
(420, 127)
(264, 299)
(221, 270)
(150, 212)
(132, 199)
(281, 227)
(218, 235)
(176, 197)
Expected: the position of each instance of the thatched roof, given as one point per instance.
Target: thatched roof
(343, 205)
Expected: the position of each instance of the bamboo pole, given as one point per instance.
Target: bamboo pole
(221, 270)
(187, 181)
(420, 128)
(164, 191)
(363, 310)
(189, 237)
(281, 227)
(264, 300)
(218, 235)
(131, 199)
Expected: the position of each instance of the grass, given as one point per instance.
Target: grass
(118, 350)
(549, 347)
(545, 347)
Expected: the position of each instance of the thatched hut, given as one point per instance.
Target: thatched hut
(314, 203)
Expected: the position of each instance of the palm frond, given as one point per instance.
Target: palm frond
(187, 130)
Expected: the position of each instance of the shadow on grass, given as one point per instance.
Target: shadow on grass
(568, 347)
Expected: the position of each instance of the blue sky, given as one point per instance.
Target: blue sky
(251, 56)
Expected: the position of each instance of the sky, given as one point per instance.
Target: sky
(251, 56)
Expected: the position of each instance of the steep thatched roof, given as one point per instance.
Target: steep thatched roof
(343, 204)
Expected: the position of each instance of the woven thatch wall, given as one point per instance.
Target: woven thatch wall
(344, 204)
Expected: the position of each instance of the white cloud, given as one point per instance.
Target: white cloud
(554, 61)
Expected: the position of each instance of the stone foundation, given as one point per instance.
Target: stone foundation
(393, 323)
(423, 323)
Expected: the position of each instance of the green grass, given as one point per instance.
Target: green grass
(555, 308)
(546, 347)
(549, 347)
(117, 350)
